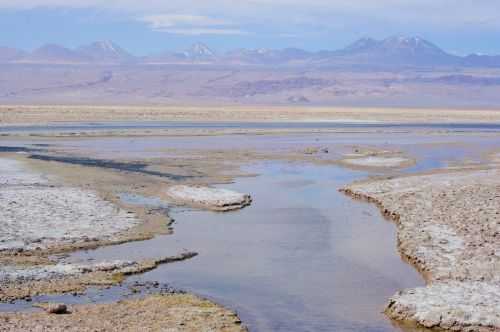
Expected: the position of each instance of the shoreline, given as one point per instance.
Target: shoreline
(118, 177)
(158, 312)
(455, 253)
(30, 272)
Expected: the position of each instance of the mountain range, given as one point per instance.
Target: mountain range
(392, 51)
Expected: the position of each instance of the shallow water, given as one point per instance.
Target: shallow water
(303, 257)
(116, 125)
(430, 150)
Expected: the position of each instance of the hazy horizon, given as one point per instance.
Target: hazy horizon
(430, 67)
(154, 26)
(229, 49)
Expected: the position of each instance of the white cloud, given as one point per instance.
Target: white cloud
(191, 25)
(205, 31)
(200, 13)
(169, 21)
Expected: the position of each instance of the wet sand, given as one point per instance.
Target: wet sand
(201, 164)
(154, 313)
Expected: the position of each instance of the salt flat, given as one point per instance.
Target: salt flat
(211, 198)
(376, 161)
(38, 213)
(448, 227)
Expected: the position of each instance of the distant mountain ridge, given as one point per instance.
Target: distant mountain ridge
(8, 54)
(105, 51)
(397, 50)
(199, 50)
(392, 51)
(393, 46)
(53, 53)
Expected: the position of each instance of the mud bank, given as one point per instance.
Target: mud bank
(173, 312)
(209, 198)
(42, 215)
(26, 282)
(449, 229)
(45, 209)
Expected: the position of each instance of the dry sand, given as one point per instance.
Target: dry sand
(449, 228)
(37, 115)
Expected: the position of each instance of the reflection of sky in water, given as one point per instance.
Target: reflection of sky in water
(431, 151)
(373, 125)
(302, 257)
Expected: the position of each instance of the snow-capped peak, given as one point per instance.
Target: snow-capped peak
(107, 46)
(199, 50)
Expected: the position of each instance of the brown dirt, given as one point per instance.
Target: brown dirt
(177, 312)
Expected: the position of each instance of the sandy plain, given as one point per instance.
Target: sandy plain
(37, 115)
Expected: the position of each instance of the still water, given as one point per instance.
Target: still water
(302, 257)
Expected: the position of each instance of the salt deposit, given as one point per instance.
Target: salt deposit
(37, 213)
(449, 228)
(377, 161)
(36, 273)
(212, 198)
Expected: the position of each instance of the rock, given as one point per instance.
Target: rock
(56, 308)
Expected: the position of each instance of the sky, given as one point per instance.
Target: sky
(152, 26)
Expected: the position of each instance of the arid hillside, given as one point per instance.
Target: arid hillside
(249, 85)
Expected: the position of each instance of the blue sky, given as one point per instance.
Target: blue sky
(151, 26)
